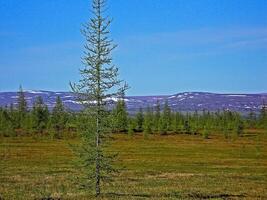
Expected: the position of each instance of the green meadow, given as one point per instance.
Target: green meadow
(160, 167)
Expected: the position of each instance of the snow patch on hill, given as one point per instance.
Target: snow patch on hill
(187, 101)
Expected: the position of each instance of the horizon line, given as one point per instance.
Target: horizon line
(209, 92)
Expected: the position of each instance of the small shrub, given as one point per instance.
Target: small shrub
(205, 134)
(130, 128)
(240, 129)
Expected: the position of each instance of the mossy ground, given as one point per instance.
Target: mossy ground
(160, 167)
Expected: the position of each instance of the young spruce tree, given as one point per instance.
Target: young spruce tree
(157, 117)
(120, 116)
(58, 118)
(22, 107)
(140, 120)
(99, 82)
(40, 115)
(148, 122)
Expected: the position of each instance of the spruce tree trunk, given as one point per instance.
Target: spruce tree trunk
(98, 69)
(97, 186)
(97, 171)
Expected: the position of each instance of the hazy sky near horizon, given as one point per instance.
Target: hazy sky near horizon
(165, 46)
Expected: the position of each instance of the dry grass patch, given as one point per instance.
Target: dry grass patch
(161, 167)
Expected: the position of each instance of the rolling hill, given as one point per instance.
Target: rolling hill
(184, 102)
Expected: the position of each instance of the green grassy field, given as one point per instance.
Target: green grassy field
(161, 167)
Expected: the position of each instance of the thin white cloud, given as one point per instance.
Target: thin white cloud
(201, 41)
(255, 42)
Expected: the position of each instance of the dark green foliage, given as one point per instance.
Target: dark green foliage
(13, 117)
(131, 126)
(21, 108)
(17, 120)
(59, 121)
(58, 118)
(187, 128)
(165, 119)
(21, 120)
(40, 115)
(156, 118)
(206, 133)
(27, 124)
(99, 82)
(239, 127)
(167, 116)
(120, 117)
(251, 120)
(195, 125)
(2, 122)
(163, 126)
(7, 123)
(140, 120)
(263, 117)
(177, 122)
(148, 122)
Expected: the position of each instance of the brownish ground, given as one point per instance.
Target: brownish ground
(160, 167)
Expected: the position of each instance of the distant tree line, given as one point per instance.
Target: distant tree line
(161, 120)
(18, 119)
(59, 122)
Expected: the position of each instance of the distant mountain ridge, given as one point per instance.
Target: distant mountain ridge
(184, 102)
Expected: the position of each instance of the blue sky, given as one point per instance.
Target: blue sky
(165, 47)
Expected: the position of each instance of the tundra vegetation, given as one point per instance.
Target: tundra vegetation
(60, 122)
(173, 166)
(161, 154)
